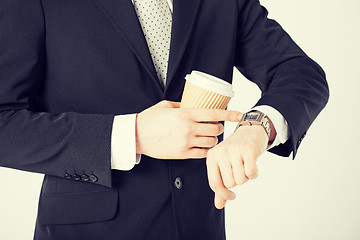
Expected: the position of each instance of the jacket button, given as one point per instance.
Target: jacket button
(178, 183)
(85, 178)
(76, 177)
(93, 178)
(68, 176)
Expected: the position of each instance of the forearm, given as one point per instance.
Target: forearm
(290, 81)
(63, 145)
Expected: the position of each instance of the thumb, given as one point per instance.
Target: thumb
(168, 104)
(251, 170)
(219, 202)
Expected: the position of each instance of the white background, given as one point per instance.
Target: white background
(316, 196)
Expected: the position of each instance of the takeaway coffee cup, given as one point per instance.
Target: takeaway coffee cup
(205, 91)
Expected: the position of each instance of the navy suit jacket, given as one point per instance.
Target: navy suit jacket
(68, 66)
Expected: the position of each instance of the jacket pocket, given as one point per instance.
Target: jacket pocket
(72, 208)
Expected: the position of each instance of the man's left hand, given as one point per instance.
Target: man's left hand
(233, 161)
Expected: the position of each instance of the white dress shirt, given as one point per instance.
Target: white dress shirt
(123, 142)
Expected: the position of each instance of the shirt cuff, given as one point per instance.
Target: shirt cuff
(279, 122)
(123, 144)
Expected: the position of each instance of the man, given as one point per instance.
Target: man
(82, 101)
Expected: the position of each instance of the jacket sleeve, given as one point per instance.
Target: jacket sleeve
(289, 80)
(71, 145)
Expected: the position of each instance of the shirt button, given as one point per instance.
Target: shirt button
(178, 183)
(93, 178)
(76, 177)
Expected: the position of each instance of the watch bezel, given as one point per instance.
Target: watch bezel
(259, 116)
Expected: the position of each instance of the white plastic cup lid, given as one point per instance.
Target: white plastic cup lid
(210, 83)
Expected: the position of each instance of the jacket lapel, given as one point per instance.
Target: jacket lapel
(122, 15)
(184, 17)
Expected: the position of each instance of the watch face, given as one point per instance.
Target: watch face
(252, 116)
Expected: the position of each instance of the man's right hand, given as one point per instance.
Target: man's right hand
(167, 131)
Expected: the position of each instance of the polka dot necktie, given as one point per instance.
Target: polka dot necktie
(155, 19)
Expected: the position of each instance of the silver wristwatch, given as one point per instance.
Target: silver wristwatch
(256, 118)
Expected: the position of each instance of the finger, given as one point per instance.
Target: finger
(238, 171)
(214, 115)
(251, 170)
(216, 183)
(168, 104)
(209, 129)
(219, 202)
(204, 142)
(197, 153)
(227, 173)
